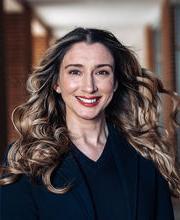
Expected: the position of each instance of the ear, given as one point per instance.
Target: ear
(115, 85)
(57, 88)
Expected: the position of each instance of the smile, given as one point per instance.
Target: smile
(90, 101)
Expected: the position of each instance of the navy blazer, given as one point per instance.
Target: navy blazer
(147, 192)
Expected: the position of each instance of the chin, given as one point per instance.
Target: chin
(90, 116)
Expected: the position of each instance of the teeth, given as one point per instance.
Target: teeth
(87, 100)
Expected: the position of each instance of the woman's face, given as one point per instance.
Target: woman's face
(86, 80)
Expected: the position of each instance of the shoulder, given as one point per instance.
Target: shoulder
(17, 200)
(150, 173)
(22, 184)
(146, 166)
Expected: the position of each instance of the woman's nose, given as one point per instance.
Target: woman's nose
(89, 84)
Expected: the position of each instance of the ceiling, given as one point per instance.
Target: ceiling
(125, 18)
(63, 15)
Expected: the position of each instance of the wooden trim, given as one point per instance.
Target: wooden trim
(3, 105)
(168, 58)
(149, 48)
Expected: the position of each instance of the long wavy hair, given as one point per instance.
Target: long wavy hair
(135, 109)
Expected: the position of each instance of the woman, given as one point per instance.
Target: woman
(89, 143)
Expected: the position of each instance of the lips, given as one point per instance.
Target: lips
(88, 101)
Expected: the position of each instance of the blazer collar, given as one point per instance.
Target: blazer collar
(126, 159)
(69, 172)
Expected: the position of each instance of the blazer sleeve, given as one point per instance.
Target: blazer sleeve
(16, 201)
(163, 204)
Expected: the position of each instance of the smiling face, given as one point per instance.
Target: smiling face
(86, 81)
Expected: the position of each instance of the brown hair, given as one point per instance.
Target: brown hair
(135, 109)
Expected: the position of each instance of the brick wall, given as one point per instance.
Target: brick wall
(3, 131)
(168, 65)
(17, 61)
(149, 48)
(39, 46)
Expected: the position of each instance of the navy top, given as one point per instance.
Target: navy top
(104, 183)
(147, 194)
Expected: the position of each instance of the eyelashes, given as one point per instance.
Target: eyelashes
(101, 72)
(74, 72)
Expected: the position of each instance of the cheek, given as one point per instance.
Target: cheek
(107, 86)
(68, 86)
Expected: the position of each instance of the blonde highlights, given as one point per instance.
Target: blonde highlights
(135, 108)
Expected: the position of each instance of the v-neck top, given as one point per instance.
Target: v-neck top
(90, 164)
(104, 183)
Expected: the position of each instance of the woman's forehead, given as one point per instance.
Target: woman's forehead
(84, 52)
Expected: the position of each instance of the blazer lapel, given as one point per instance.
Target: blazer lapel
(126, 158)
(71, 173)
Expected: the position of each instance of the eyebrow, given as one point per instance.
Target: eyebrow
(97, 66)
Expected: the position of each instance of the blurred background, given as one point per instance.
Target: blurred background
(27, 27)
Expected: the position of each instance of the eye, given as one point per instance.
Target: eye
(74, 72)
(103, 72)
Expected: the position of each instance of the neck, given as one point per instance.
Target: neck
(88, 132)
